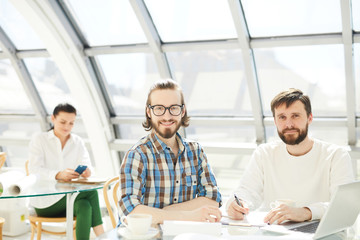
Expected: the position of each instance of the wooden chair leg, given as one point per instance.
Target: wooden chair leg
(39, 226)
(1, 227)
(74, 231)
(33, 227)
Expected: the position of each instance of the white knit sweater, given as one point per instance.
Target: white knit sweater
(310, 180)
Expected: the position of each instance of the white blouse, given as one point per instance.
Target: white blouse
(47, 158)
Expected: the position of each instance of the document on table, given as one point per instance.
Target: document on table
(195, 236)
(253, 219)
(172, 228)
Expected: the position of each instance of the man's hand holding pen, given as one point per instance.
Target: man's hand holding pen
(238, 209)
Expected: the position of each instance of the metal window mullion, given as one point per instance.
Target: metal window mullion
(249, 67)
(25, 79)
(118, 49)
(152, 36)
(97, 78)
(349, 70)
(356, 37)
(301, 40)
(68, 20)
(282, 41)
(35, 53)
(265, 42)
(50, 23)
(94, 69)
(91, 64)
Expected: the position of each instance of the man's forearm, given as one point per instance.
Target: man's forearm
(158, 215)
(192, 204)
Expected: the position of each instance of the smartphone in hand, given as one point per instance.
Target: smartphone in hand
(80, 169)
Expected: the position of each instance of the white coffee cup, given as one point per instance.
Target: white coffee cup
(278, 202)
(137, 224)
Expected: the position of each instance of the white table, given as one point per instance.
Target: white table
(235, 233)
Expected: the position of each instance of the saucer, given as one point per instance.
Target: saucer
(123, 231)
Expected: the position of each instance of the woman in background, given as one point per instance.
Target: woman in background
(54, 155)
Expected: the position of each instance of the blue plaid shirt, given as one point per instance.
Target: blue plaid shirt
(149, 176)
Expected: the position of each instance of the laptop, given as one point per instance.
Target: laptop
(342, 213)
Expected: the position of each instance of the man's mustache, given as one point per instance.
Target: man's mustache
(290, 129)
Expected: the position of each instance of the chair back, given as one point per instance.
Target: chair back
(115, 197)
(2, 158)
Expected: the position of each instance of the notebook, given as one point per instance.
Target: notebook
(342, 213)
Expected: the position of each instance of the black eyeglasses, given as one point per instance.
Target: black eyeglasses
(159, 110)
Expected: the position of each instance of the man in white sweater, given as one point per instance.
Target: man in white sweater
(299, 168)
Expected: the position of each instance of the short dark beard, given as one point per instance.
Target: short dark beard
(167, 134)
(299, 139)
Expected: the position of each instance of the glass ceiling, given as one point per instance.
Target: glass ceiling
(286, 18)
(187, 21)
(106, 22)
(317, 70)
(17, 29)
(12, 95)
(230, 57)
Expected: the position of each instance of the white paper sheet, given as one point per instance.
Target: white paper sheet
(177, 227)
(253, 219)
(195, 236)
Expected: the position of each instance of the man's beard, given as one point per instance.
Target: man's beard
(291, 140)
(167, 133)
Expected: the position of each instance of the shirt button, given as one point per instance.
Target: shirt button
(177, 181)
(175, 199)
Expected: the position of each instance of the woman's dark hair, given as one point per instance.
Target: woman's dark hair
(63, 107)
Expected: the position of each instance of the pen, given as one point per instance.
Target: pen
(238, 202)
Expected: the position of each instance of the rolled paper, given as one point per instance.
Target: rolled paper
(9, 178)
(22, 185)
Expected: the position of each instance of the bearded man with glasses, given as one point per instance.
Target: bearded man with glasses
(164, 174)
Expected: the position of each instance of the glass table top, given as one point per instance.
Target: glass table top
(45, 188)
